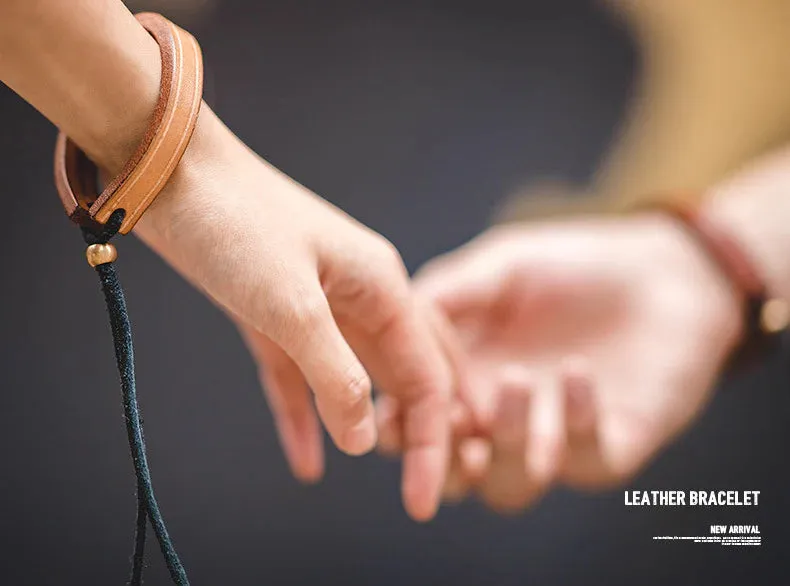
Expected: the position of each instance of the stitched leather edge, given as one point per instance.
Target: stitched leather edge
(161, 148)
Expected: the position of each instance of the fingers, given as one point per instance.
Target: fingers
(420, 430)
(474, 456)
(606, 447)
(389, 421)
(507, 484)
(468, 408)
(456, 487)
(291, 404)
(579, 404)
(306, 330)
(465, 466)
(396, 342)
(425, 440)
(469, 463)
(587, 463)
(547, 442)
(469, 455)
(297, 423)
(425, 457)
(527, 440)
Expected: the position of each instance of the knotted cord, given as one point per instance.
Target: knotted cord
(147, 507)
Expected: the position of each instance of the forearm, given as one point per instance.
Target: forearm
(755, 206)
(86, 65)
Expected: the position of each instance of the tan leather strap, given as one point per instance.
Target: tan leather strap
(162, 146)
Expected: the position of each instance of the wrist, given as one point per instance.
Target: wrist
(89, 67)
(723, 230)
(759, 224)
(717, 300)
(113, 110)
(187, 196)
(127, 195)
(111, 128)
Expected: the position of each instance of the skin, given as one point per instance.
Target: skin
(323, 302)
(589, 349)
(592, 343)
(316, 296)
(583, 358)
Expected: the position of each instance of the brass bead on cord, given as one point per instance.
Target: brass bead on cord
(101, 254)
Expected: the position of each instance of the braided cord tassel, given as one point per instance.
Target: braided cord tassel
(101, 256)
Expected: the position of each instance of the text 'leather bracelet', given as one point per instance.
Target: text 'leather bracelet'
(766, 317)
(116, 209)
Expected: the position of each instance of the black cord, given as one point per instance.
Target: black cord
(147, 506)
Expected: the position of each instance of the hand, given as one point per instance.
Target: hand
(316, 295)
(591, 344)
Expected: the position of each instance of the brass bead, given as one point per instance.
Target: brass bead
(775, 316)
(100, 254)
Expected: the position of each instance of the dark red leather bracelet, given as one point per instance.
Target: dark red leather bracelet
(765, 317)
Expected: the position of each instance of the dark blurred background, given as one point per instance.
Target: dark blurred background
(417, 118)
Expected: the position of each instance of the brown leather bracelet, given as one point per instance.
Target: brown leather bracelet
(117, 209)
(766, 317)
(159, 152)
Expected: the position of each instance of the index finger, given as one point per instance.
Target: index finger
(473, 411)
(404, 357)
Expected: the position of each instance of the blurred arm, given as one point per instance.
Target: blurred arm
(713, 94)
(86, 65)
(755, 205)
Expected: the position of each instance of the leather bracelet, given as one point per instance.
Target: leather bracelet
(166, 138)
(766, 317)
(117, 209)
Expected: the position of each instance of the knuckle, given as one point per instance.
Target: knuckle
(309, 312)
(294, 321)
(421, 384)
(389, 259)
(353, 398)
(430, 273)
(389, 302)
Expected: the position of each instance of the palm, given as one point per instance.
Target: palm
(616, 340)
(635, 308)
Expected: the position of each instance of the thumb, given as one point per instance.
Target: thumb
(304, 327)
(469, 415)
(461, 285)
